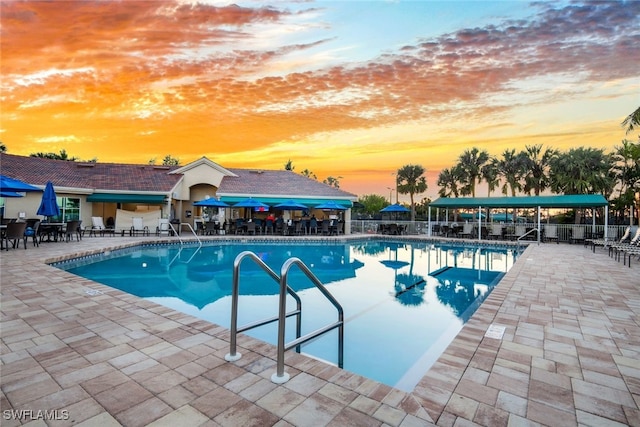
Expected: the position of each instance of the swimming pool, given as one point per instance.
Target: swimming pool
(404, 301)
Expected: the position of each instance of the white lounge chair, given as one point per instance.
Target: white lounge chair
(551, 233)
(97, 226)
(138, 227)
(163, 228)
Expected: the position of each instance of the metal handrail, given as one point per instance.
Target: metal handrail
(524, 235)
(178, 234)
(233, 355)
(281, 376)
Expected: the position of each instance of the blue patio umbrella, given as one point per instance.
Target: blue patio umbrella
(211, 202)
(395, 208)
(13, 185)
(252, 204)
(291, 205)
(49, 204)
(9, 194)
(331, 205)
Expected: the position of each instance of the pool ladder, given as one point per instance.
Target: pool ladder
(281, 376)
(175, 232)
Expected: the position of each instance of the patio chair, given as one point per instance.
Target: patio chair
(13, 233)
(577, 235)
(268, 226)
(325, 227)
(138, 227)
(250, 227)
(313, 226)
(551, 233)
(163, 229)
(496, 232)
(72, 229)
(467, 231)
(33, 230)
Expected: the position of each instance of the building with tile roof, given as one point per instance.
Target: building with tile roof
(107, 189)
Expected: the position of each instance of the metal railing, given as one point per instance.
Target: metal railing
(280, 376)
(176, 233)
(566, 232)
(520, 238)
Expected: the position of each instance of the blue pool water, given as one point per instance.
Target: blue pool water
(404, 301)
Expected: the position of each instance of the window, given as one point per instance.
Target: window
(69, 209)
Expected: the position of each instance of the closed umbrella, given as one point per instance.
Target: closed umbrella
(13, 185)
(49, 204)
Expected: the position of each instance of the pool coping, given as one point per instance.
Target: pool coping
(435, 398)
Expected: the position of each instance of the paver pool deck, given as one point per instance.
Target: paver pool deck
(570, 355)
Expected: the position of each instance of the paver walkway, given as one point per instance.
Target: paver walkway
(90, 355)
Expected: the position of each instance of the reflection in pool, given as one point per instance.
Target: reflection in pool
(404, 301)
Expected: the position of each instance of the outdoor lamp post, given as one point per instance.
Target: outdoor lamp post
(390, 192)
(395, 174)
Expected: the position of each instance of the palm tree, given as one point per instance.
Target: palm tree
(536, 168)
(471, 163)
(448, 180)
(582, 171)
(511, 169)
(632, 120)
(410, 180)
(332, 182)
(626, 169)
(490, 175)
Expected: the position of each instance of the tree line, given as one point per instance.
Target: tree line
(532, 171)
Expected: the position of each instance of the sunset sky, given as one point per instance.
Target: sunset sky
(349, 89)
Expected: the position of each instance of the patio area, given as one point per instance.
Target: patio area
(91, 355)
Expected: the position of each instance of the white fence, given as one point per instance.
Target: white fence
(566, 232)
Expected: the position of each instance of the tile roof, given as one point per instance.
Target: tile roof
(147, 178)
(277, 183)
(92, 176)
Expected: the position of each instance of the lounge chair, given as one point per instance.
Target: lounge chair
(577, 235)
(13, 233)
(98, 227)
(138, 227)
(496, 232)
(610, 240)
(551, 233)
(467, 231)
(616, 249)
(163, 229)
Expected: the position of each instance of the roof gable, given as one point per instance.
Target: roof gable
(282, 183)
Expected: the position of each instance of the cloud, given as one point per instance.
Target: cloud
(248, 79)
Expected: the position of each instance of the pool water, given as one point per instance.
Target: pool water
(404, 301)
